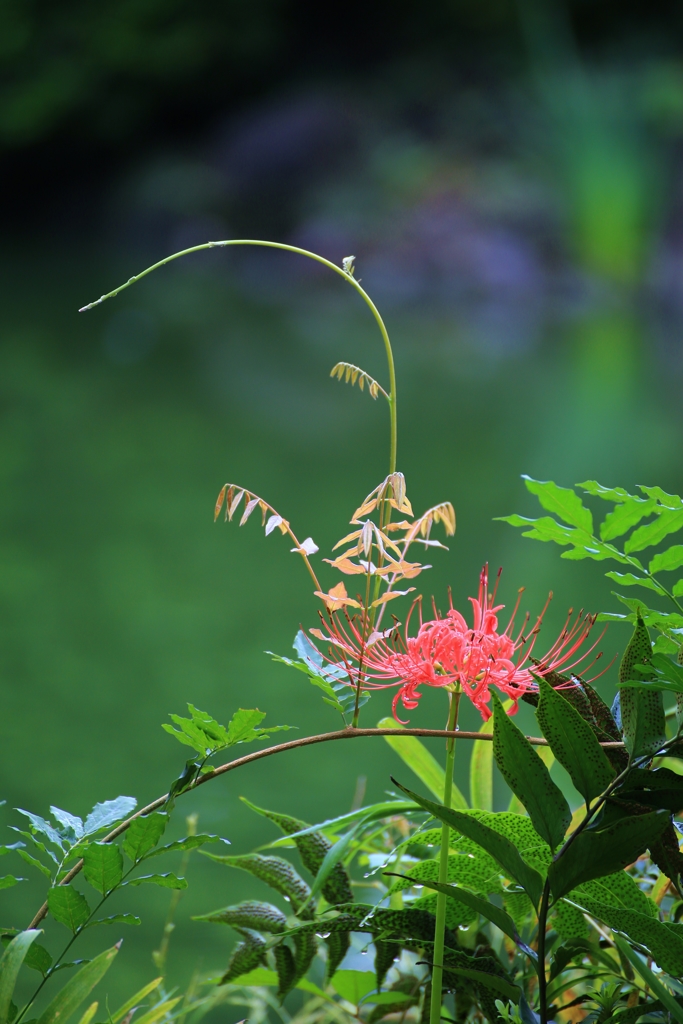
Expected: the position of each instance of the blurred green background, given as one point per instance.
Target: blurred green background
(509, 177)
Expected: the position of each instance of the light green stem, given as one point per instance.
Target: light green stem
(437, 969)
(313, 256)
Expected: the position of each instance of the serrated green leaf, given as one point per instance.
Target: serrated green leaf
(615, 494)
(677, 589)
(276, 872)
(10, 964)
(109, 812)
(44, 827)
(8, 881)
(78, 988)
(528, 778)
(668, 521)
(626, 514)
(562, 501)
(252, 914)
(143, 835)
(546, 529)
(573, 743)
(481, 772)
(628, 579)
(68, 906)
(102, 866)
(414, 753)
(642, 713)
(596, 853)
(71, 824)
(166, 881)
(668, 560)
(498, 846)
(242, 726)
(260, 977)
(667, 500)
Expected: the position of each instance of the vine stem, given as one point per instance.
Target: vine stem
(440, 926)
(257, 755)
(348, 276)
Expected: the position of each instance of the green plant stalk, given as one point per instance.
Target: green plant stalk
(542, 977)
(348, 276)
(437, 960)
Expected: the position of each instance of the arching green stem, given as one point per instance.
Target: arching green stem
(348, 276)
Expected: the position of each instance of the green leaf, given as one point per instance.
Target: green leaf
(626, 514)
(470, 867)
(109, 812)
(103, 866)
(68, 906)
(545, 529)
(528, 778)
(10, 964)
(667, 500)
(67, 1001)
(562, 501)
(596, 853)
(167, 881)
(34, 862)
(143, 835)
(353, 985)
(7, 881)
(651, 980)
(642, 714)
(628, 579)
(334, 857)
(135, 1000)
(116, 919)
(480, 906)
(276, 872)
(71, 824)
(615, 494)
(188, 843)
(573, 743)
(668, 521)
(205, 735)
(414, 753)
(44, 827)
(260, 977)
(490, 981)
(252, 914)
(667, 561)
(500, 848)
(481, 772)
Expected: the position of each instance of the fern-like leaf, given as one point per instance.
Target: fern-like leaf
(355, 375)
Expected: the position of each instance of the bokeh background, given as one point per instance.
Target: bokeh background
(509, 176)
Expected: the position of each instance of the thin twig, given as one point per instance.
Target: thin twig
(305, 741)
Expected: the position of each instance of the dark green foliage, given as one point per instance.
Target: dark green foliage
(305, 948)
(68, 906)
(246, 955)
(500, 848)
(385, 954)
(103, 866)
(207, 736)
(666, 854)
(573, 742)
(642, 712)
(263, 917)
(528, 778)
(312, 849)
(286, 969)
(596, 853)
(276, 872)
(337, 947)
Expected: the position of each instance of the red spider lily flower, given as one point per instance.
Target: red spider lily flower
(446, 652)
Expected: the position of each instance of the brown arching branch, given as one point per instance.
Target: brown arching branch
(305, 741)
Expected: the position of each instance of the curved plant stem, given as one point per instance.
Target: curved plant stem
(439, 929)
(313, 256)
(305, 741)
